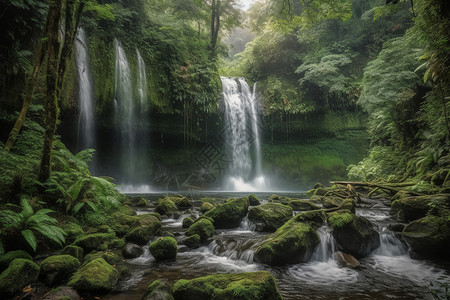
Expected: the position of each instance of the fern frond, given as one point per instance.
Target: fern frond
(30, 238)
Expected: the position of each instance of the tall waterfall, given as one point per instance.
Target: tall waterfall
(86, 120)
(142, 81)
(124, 113)
(241, 130)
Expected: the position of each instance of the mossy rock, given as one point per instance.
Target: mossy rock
(182, 203)
(132, 250)
(140, 202)
(349, 204)
(315, 218)
(73, 231)
(203, 227)
(126, 210)
(292, 243)
(321, 191)
(354, 234)
(193, 241)
(270, 216)
(19, 273)
(117, 243)
(158, 290)
(166, 207)
(131, 221)
(429, 236)
(164, 248)
(95, 241)
(206, 206)
(58, 268)
(8, 257)
(111, 257)
(62, 293)
(75, 251)
(229, 214)
(302, 205)
(242, 286)
(253, 200)
(331, 202)
(412, 208)
(142, 234)
(279, 199)
(95, 277)
(187, 222)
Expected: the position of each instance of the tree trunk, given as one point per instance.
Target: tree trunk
(51, 98)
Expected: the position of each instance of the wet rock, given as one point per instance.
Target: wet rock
(302, 205)
(95, 241)
(182, 203)
(242, 286)
(62, 292)
(19, 273)
(136, 201)
(57, 269)
(279, 199)
(166, 207)
(411, 208)
(396, 227)
(8, 257)
(111, 257)
(206, 206)
(203, 227)
(346, 260)
(269, 217)
(96, 276)
(158, 290)
(253, 200)
(187, 222)
(292, 243)
(75, 251)
(142, 234)
(164, 248)
(429, 236)
(354, 234)
(193, 241)
(132, 250)
(315, 218)
(229, 214)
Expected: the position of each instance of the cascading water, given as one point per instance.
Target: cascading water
(241, 130)
(86, 120)
(142, 82)
(325, 250)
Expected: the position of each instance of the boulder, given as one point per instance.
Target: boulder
(292, 243)
(95, 241)
(158, 290)
(301, 205)
(269, 217)
(164, 248)
(132, 250)
(354, 234)
(19, 273)
(62, 293)
(75, 251)
(143, 233)
(206, 206)
(73, 231)
(242, 286)
(57, 269)
(126, 210)
(187, 222)
(8, 257)
(111, 257)
(193, 241)
(429, 236)
(166, 207)
(412, 208)
(346, 260)
(182, 203)
(253, 200)
(315, 218)
(279, 199)
(229, 214)
(396, 227)
(96, 276)
(203, 227)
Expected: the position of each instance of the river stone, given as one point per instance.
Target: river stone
(58, 268)
(19, 273)
(302, 205)
(354, 234)
(202, 227)
(206, 206)
(132, 250)
(96, 276)
(62, 292)
(166, 207)
(158, 290)
(253, 200)
(396, 227)
(142, 234)
(412, 208)
(269, 216)
(242, 286)
(8, 257)
(230, 214)
(192, 241)
(346, 260)
(95, 241)
(164, 248)
(187, 222)
(429, 236)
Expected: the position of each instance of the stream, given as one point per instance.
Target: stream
(387, 273)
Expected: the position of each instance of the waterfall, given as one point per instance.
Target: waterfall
(241, 130)
(142, 82)
(327, 246)
(125, 112)
(86, 120)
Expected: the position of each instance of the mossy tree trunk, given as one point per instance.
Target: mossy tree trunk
(51, 98)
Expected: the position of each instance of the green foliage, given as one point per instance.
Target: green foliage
(28, 223)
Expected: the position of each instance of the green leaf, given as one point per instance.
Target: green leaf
(30, 238)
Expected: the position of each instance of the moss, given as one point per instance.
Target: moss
(253, 200)
(95, 277)
(229, 214)
(158, 290)
(315, 218)
(300, 205)
(166, 207)
(117, 244)
(95, 241)
(8, 257)
(187, 222)
(126, 210)
(270, 216)
(19, 273)
(279, 199)
(164, 248)
(331, 202)
(206, 206)
(349, 204)
(294, 242)
(411, 208)
(340, 220)
(244, 286)
(111, 257)
(192, 241)
(182, 202)
(56, 269)
(142, 234)
(75, 251)
(203, 227)
(73, 232)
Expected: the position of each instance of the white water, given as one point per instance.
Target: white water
(86, 119)
(325, 250)
(142, 83)
(241, 130)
